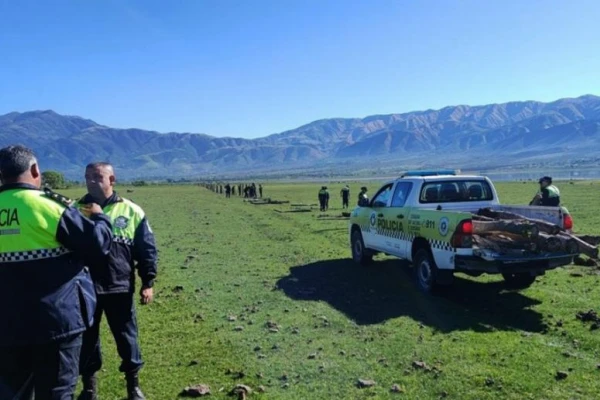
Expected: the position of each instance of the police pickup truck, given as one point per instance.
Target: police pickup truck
(425, 217)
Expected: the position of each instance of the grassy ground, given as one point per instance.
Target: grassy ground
(222, 259)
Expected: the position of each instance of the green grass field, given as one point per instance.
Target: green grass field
(338, 322)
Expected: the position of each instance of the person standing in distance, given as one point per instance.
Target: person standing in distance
(345, 193)
(47, 297)
(363, 198)
(323, 198)
(114, 279)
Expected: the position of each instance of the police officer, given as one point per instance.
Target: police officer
(114, 278)
(47, 297)
(345, 193)
(548, 196)
(323, 198)
(363, 198)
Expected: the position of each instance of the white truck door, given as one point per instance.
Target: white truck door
(396, 240)
(375, 238)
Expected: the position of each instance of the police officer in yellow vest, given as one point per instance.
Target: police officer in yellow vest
(47, 296)
(114, 278)
(548, 196)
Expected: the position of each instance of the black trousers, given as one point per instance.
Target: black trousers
(344, 202)
(120, 315)
(50, 370)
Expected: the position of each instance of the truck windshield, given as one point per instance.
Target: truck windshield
(456, 191)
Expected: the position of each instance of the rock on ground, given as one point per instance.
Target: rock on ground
(196, 391)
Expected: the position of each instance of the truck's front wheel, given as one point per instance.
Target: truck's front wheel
(518, 280)
(425, 271)
(360, 254)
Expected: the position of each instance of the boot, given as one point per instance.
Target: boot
(133, 387)
(90, 388)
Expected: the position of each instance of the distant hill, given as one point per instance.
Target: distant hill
(474, 135)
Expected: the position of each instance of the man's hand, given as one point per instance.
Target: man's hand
(146, 295)
(90, 209)
(537, 199)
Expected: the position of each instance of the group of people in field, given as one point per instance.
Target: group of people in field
(247, 191)
(323, 197)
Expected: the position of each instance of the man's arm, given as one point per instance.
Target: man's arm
(145, 254)
(89, 236)
(536, 200)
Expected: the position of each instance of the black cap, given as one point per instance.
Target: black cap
(545, 179)
(363, 188)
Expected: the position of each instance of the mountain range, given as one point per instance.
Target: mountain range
(454, 136)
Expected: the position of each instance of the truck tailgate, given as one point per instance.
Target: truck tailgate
(553, 215)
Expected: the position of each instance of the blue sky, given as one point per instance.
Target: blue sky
(250, 68)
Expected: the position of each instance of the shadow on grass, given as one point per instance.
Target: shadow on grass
(342, 228)
(385, 290)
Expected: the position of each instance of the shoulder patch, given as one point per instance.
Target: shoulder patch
(59, 198)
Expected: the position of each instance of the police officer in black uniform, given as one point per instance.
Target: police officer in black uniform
(133, 249)
(323, 198)
(345, 193)
(363, 198)
(47, 297)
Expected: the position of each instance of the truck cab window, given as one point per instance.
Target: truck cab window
(401, 193)
(456, 191)
(382, 197)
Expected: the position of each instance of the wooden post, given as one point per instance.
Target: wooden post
(518, 227)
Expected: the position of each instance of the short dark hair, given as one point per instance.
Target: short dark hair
(546, 179)
(14, 161)
(98, 164)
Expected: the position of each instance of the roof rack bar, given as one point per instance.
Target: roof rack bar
(430, 172)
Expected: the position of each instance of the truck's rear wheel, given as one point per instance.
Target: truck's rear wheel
(518, 280)
(425, 271)
(360, 254)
